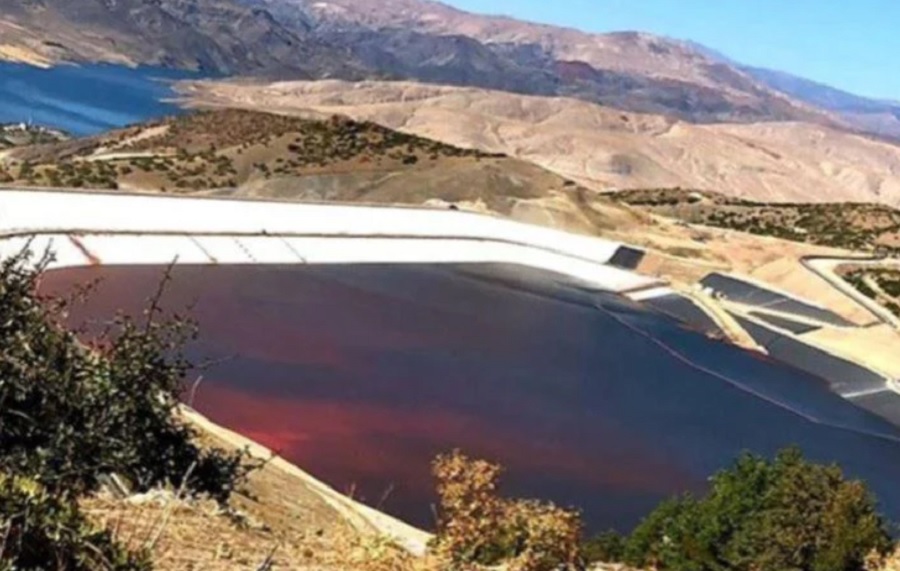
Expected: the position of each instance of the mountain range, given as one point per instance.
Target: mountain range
(430, 42)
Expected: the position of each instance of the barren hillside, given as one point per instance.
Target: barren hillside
(219, 36)
(251, 154)
(628, 70)
(631, 52)
(600, 147)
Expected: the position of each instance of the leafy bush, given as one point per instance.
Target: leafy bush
(41, 531)
(477, 527)
(785, 514)
(608, 546)
(71, 413)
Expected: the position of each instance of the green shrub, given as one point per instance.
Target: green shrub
(72, 412)
(785, 514)
(856, 280)
(41, 531)
(893, 308)
(606, 547)
(890, 283)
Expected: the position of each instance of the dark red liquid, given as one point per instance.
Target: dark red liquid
(362, 374)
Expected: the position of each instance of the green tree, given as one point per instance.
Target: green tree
(788, 514)
(608, 546)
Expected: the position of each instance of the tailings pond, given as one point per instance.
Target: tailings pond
(361, 374)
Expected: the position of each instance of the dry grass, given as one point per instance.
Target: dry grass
(185, 535)
(278, 522)
(891, 562)
(281, 523)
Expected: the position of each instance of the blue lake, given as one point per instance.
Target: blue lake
(85, 100)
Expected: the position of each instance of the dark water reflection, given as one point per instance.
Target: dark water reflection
(361, 374)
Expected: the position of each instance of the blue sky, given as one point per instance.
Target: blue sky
(850, 44)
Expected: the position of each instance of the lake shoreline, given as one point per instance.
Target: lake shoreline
(87, 99)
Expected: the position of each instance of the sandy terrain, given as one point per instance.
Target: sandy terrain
(19, 54)
(597, 146)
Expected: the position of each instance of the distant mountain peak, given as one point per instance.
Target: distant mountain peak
(632, 69)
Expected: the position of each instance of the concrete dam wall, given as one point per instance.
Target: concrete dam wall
(116, 229)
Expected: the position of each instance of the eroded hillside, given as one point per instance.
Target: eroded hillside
(600, 147)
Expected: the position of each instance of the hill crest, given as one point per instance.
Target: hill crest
(600, 147)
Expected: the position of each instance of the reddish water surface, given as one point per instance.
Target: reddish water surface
(362, 374)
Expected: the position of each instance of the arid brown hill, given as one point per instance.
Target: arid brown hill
(251, 154)
(604, 148)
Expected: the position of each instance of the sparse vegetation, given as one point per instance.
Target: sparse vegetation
(208, 147)
(21, 134)
(864, 227)
(223, 149)
(880, 284)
